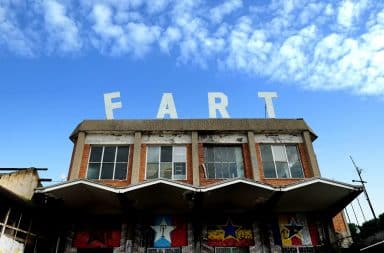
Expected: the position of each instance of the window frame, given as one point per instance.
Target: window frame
(287, 160)
(172, 162)
(241, 170)
(114, 162)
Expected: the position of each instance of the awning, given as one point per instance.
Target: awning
(308, 195)
(316, 195)
(236, 194)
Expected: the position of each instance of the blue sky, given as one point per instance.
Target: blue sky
(325, 60)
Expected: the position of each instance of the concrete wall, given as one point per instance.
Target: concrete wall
(22, 183)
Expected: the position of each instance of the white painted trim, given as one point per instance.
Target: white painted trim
(155, 182)
(278, 138)
(318, 180)
(237, 181)
(166, 139)
(73, 183)
(103, 139)
(223, 138)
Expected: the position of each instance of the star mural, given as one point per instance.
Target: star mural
(230, 229)
(293, 228)
(163, 234)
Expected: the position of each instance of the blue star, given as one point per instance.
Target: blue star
(230, 229)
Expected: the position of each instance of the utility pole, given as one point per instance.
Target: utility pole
(363, 185)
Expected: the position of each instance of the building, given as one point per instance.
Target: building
(22, 219)
(201, 185)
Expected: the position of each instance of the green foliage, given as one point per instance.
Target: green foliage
(368, 228)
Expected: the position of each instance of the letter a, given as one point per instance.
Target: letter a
(167, 106)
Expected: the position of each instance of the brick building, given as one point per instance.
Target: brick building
(209, 185)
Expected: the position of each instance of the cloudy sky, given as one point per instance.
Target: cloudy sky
(325, 60)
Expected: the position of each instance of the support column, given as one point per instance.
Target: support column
(136, 158)
(195, 159)
(253, 156)
(311, 154)
(77, 156)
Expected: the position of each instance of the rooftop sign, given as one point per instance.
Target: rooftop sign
(217, 105)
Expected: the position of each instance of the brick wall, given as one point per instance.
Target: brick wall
(84, 161)
(339, 223)
(143, 160)
(247, 161)
(304, 157)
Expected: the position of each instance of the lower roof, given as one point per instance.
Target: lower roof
(308, 195)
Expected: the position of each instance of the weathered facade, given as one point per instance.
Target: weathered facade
(210, 185)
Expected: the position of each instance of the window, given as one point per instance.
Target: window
(281, 161)
(108, 162)
(166, 162)
(223, 161)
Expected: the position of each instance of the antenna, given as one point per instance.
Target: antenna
(359, 170)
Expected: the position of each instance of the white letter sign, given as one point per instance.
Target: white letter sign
(268, 102)
(109, 105)
(167, 106)
(220, 106)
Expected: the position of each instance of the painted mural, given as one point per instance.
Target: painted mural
(170, 231)
(97, 238)
(230, 234)
(294, 230)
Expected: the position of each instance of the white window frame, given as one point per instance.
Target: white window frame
(173, 162)
(286, 156)
(114, 161)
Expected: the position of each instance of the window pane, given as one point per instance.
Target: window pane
(269, 170)
(153, 154)
(121, 171)
(179, 154)
(93, 171)
(109, 154)
(266, 153)
(122, 154)
(225, 170)
(297, 171)
(166, 170)
(152, 170)
(96, 154)
(279, 153)
(210, 170)
(282, 169)
(166, 154)
(209, 156)
(233, 170)
(268, 164)
(179, 171)
(107, 171)
(294, 162)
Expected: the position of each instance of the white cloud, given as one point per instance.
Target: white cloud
(62, 30)
(329, 45)
(11, 36)
(217, 13)
(170, 36)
